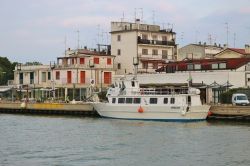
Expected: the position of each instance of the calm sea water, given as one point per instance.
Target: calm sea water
(48, 140)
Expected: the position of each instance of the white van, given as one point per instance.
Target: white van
(239, 99)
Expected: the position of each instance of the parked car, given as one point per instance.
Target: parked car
(239, 99)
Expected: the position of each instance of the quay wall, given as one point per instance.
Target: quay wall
(49, 108)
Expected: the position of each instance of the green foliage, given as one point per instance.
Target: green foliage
(33, 63)
(6, 70)
(226, 97)
(102, 95)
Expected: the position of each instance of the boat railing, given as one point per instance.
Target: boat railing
(155, 91)
(149, 91)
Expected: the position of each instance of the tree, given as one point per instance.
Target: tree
(6, 70)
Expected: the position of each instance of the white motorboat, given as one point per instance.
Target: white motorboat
(126, 100)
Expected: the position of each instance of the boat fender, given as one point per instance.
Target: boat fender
(209, 113)
(183, 112)
(140, 110)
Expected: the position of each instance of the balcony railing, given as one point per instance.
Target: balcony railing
(156, 42)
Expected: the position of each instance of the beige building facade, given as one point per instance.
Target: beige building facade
(142, 44)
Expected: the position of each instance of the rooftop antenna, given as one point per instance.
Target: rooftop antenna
(234, 39)
(65, 45)
(227, 31)
(210, 39)
(98, 34)
(153, 17)
(135, 14)
(196, 36)
(78, 38)
(123, 17)
(141, 14)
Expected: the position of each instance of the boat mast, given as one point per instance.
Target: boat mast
(135, 63)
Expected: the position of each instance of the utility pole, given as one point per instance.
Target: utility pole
(227, 31)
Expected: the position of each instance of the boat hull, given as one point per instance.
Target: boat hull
(156, 112)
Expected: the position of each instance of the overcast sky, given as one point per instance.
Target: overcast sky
(35, 30)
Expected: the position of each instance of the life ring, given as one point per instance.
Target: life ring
(140, 110)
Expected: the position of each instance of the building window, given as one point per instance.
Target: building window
(118, 51)
(155, 65)
(248, 79)
(43, 76)
(172, 100)
(153, 100)
(144, 37)
(113, 100)
(49, 76)
(222, 65)
(190, 67)
(82, 77)
(72, 61)
(96, 60)
(165, 100)
(165, 52)
(109, 62)
(197, 66)
(57, 75)
(145, 65)
(107, 77)
(82, 60)
(118, 66)
(154, 52)
(145, 51)
(154, 37)
(215, 66)
(164, 38)
(118, 37)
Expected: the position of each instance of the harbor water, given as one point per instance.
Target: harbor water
(50, 140)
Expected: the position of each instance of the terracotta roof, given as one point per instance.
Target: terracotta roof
(238, 50)
(231, 63)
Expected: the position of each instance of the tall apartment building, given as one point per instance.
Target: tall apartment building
(148, 45)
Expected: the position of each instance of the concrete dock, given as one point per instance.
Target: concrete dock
(230, 112)
(83, 109)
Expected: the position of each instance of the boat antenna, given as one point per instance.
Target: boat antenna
(135, 63)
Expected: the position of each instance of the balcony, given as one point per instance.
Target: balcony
(155, 42)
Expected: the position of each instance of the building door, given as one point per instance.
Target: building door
(82, 77)
(69, 77)
(107, 77)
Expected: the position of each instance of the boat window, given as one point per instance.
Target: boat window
(137, 100)
(133, 84)
(121, 100)
(165, 101)
(129, 100)
(113, 100)
(172, 100)
(153, 100)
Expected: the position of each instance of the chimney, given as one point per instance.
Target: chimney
(85, 47)
(225, 46)
(247, 49)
